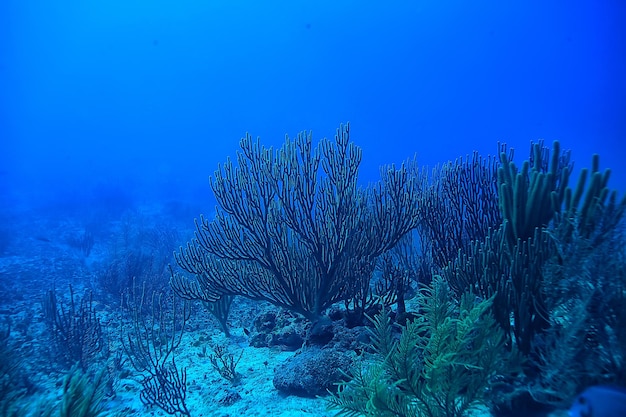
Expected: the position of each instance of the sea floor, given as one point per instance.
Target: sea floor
(39, 259)
(35, 263)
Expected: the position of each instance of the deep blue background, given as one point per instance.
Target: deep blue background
(151, 95)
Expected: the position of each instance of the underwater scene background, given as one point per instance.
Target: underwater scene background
(440, 233)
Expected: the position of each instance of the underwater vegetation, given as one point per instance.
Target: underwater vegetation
(481, 284)
(304, 239)
(294, 228)
(442, 364)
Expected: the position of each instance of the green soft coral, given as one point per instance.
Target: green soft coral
(82, 395)
(443, 364)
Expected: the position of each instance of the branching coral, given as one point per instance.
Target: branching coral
(294, 228)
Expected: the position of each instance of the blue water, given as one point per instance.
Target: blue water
(152, 95)
(114, 113)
